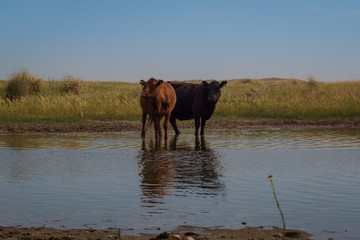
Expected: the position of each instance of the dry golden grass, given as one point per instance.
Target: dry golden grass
(241, 98)
(290, 99)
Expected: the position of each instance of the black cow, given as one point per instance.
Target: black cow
(195, 101)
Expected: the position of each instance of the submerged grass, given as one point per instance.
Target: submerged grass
(242, 98)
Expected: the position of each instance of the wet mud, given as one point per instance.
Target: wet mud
(120, 126)
(205, 234)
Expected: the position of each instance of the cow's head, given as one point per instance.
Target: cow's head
(149, 86)
(213, 90)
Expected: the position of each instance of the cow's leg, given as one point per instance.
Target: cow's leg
(157, 128)
(166, 123)
(173, 124)
(203, 121)
(197, 125)
(144, 115)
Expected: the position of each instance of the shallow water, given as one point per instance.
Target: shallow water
(221, 180)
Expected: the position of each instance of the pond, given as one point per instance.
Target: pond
(220, 180)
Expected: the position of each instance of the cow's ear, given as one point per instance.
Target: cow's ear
(159, 82)
(205, 83)
(142, 82)
(223, 83)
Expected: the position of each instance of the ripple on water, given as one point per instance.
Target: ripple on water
(220, 178)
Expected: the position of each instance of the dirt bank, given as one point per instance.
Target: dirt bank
(257, 233)
(118, 126)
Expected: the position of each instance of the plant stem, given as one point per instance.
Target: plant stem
(119, 233)
(278, 205)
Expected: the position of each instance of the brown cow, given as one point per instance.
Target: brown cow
(157, 99)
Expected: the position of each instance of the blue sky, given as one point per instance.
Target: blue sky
(181, 39)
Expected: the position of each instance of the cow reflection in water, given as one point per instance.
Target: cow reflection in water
(178, 169)
(156, 171)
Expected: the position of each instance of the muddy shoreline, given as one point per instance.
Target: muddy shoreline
(93, 126)
(258, 233)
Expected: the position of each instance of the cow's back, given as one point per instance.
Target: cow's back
(189, 101)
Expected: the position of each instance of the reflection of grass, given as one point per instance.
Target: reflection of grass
(278, 205)
(241, 98)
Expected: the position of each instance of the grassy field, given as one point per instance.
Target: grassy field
(290, 99)
(241, 98)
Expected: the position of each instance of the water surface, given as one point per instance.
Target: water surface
(220, 180)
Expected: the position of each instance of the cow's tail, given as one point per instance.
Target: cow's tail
(149, 121)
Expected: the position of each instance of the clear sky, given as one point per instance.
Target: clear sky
(131, 40)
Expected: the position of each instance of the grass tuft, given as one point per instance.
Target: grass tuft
(22, 84)
(312, 83)
(71, 84)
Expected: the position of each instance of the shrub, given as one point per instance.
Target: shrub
(70, 84)
(312, 83)
(22, 84)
